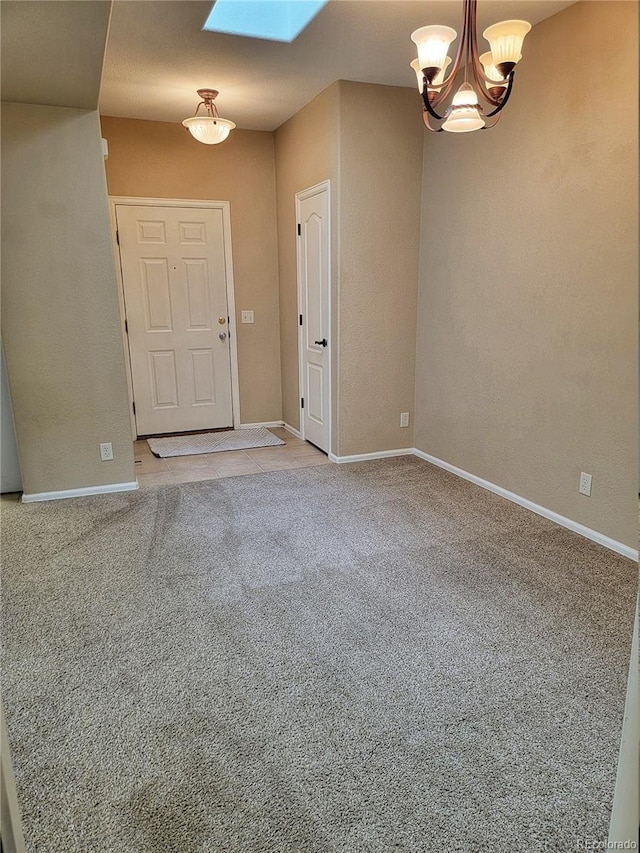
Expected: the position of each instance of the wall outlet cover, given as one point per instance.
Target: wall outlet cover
(585, 484)
(106, 452)
(404, 419)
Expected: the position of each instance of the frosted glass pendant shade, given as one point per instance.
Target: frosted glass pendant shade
(497, 79)
(463, 115)
(209, 129)
(433, 44)
(506, 40)
(438, 79)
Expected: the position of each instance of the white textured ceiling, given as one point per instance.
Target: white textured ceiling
(158, 55)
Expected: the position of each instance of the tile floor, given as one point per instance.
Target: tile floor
(295, 453)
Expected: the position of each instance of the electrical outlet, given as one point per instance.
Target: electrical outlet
(247, 317)
(404, 419)
(585, 484)
(106, 452)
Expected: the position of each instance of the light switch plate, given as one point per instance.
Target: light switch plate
(247, 317)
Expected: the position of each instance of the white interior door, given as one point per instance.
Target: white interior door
(175, 294)
(314, 283)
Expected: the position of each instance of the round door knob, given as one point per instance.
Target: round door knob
(223, 336)
(222, 320)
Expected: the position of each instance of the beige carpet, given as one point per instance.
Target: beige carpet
(343, 659)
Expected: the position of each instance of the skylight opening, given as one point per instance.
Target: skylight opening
(274, 20)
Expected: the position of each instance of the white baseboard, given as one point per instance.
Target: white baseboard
(262, 424)
(292, 430)
(80, 493)
(364, 457)
(587, 532)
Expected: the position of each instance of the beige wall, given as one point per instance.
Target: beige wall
(306, 149)
(375, 209)
(527, 335)
(381, 135)
(60, 322)
(161, 160)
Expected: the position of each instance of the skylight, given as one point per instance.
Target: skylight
(276, 20)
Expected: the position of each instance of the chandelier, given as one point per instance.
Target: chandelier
(209, 128)
(488, 77)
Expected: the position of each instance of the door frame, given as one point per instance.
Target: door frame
(223, 206)
(301, 196)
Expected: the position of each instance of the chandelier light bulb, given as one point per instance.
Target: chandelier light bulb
(433, 45)
(506, 40)
(497, 79)
(437, 80)
(464, 115)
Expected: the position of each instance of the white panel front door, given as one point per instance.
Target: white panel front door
(174, 276)
(314, 293)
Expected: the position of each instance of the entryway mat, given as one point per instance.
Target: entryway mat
(213, 442)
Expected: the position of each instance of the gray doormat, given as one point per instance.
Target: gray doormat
(213, 442)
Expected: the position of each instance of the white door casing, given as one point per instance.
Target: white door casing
(314, 307)
(177, 297)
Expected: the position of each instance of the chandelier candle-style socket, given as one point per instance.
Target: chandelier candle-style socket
(209, 128)
(488, 77)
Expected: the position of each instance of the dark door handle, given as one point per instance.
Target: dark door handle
(322, 343)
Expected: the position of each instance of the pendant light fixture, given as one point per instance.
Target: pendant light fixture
(209, 128)
(487, 78)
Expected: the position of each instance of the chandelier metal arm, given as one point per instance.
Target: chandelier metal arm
(502, 104)
(427, 123)
(478, 70)
(428, 107)
(493, 123)
(210, 107)
(208, 97)
(443, 90)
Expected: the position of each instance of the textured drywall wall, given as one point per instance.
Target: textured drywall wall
(381, 134)
(527, 330)
(306, 148)
(60, 322)
(150, 159)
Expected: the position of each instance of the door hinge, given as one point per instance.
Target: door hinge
(299, 229)
(134, 407)
(126, 327)
(302, 402)
(117, 237)
(301, 319)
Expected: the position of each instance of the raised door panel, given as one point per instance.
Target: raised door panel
(163, 378)
(312, 280)
(203, 379)
(154, 278)
(315, 407)
(196, 275)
